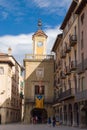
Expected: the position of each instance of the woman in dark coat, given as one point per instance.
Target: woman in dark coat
(54, 121)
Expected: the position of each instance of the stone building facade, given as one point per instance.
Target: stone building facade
(10, 100)
(39, 81)
(70, 72)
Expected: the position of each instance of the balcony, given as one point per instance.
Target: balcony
(81, 95)
(62, 75)
(56, 100)
(73, 65)
(47, 99)
(67, 94)
(59, 64)
(67, 49)
(63, 54)
(80, 68)
(56, 67)
(58, 83)
(55, 83)
(67, 70)
(39, 57)
(73, 40)
(85, 64)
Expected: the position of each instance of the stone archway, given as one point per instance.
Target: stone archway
(70, 115)
(0, 119)
(76, 114)
(61, 118)
(40, 113)
(84, 116)
(65, 114)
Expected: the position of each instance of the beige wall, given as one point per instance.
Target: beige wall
(10, 109)
(31, 80)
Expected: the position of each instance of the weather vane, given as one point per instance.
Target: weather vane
(39, 24)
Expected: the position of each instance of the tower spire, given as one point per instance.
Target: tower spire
(39, 24)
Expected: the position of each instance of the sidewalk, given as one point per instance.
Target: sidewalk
(36, 127)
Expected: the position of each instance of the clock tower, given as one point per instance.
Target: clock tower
(39, 41)
(39, 80)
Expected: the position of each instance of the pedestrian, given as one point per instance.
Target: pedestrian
(54, 121)
(49, 121)
(31, 120)
(36, 118)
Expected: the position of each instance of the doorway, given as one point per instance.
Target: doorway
(0, 119)
(41, 115)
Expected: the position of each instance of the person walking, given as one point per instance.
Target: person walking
(49, 121)
(36, 118)
(54, 121)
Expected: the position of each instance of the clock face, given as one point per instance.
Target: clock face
(39, 44)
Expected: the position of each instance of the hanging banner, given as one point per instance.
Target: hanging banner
(39, 101)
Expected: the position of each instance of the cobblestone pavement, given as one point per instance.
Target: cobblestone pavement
(36, 127)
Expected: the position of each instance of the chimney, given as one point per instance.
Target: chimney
(9, 51)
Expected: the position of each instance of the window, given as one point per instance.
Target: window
(69, 83)
(42, 90)
(64, 86)
(82, 18)
(36, 89)
(82, 40)
(39, 89)
(79, 85)
(75, 53)
(40, 72)
(1, 70)
(75, 81)
(82, 83)
(75, 30)
(82, 56)
(69, 60)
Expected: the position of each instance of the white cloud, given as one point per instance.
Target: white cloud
(53, 6)
(52, 34)
(22, 44)
(15, 8)
(11, 7)
(63, 3)
(42, 3)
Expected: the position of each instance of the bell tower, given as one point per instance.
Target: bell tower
(39, 41)
(39, 80)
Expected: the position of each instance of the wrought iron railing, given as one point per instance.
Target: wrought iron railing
(47, 99)
(82, 95)
(32, 57)
(73, 40)
(67, 94)
(62, 75)
(67, 70)
(67, 49)
(73, 65)
(63, 54)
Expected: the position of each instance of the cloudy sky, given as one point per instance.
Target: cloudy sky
(18, 21)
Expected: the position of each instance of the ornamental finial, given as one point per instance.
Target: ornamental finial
(39, 24)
